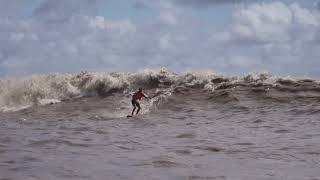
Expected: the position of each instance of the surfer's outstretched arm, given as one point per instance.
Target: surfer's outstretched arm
(146, 96)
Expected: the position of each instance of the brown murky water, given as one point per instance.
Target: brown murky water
(240, 133)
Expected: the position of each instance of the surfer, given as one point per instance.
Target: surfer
(137, 96)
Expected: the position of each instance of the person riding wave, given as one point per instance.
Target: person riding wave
(137, 96)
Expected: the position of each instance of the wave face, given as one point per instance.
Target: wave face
(21, 93)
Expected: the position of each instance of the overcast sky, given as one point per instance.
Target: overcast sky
(226, 36)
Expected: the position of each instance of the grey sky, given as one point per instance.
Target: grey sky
(70, 36)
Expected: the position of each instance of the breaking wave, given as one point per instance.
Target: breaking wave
(38, 90)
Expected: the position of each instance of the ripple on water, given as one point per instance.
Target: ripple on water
(183, 151)
(30, 159)
(9, 162)
(206, 178)
(316, 153)
(282, 131)
(244, 144)
(208, 148)
(39, 143)
(186, 135)
(165, 162)
(20, 168)
(258, 121)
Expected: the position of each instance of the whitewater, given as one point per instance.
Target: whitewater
(197, 126)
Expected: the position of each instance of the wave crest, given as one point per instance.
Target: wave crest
(19, 93)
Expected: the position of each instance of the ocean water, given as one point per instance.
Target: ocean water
(197, 126)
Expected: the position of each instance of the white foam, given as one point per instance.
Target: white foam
(48, 89)
(48, 101)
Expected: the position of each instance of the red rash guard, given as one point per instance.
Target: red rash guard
(138, 95)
